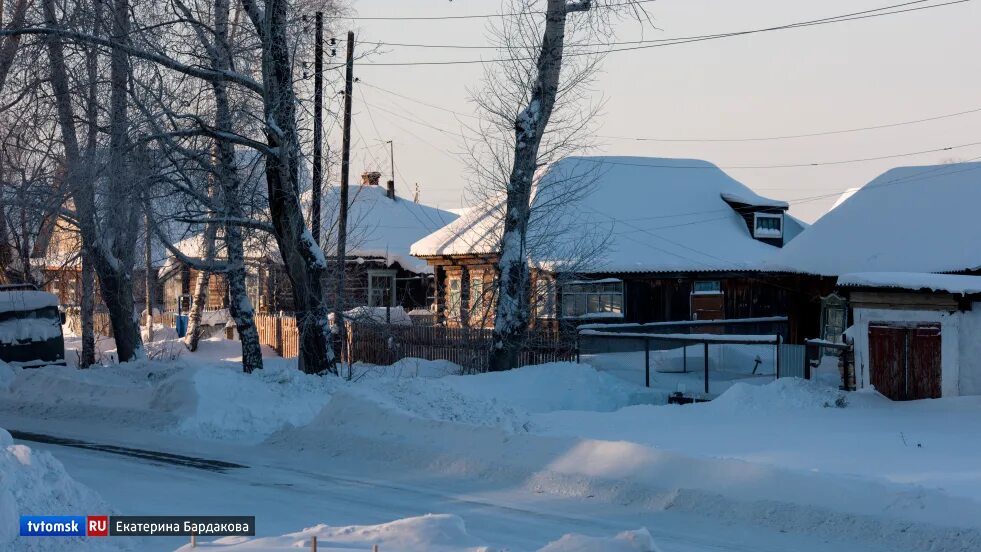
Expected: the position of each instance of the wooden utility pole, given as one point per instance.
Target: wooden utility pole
(318, 127)
(391, 157)
(345, 173)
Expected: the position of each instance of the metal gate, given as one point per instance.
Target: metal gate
(792, 361)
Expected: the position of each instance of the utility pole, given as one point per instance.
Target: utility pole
(345, 173)
(318, 127)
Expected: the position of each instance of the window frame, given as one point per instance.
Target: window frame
(381, 273)
(716, 291)
(596, 299)
(476, 299)
(767, 232)
(453, 307)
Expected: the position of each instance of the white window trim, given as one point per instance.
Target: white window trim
(763, 233)
(382, 273)
(449, 303)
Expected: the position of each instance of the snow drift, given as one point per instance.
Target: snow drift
(34, 483)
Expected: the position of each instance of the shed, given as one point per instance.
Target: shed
(916, 335)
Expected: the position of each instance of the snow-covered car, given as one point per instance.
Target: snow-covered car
(30, 327)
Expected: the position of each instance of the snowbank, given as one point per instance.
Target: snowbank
(627, 541)
(408, 367)
(429, 533)
(35, 483)
(550, 387)
(227, 404)
(643, 475)
(782, 394)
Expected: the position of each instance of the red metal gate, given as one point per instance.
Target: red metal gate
(904, 361)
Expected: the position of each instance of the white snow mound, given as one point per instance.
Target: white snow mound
(219, 403)
(428, 533)
(33, 482)
(782, 394)
(627, 541)
(553, 386)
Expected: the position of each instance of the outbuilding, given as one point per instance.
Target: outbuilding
(916, 335)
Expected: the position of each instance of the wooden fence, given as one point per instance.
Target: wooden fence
(468, 347)
(383, 344)
(279, 333)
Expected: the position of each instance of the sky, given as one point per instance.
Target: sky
(848, 75)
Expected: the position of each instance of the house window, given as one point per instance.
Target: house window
(706, 286)
(476, 297)
(593, 299)
(381, 288)
(453, 298)
(767, 225)
(834, 315)
(545, 298)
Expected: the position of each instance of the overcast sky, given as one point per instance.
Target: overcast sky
(824, 78)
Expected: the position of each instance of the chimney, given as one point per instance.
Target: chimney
(391, 189)
(370, 178)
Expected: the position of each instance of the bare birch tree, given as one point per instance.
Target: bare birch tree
(524, 92)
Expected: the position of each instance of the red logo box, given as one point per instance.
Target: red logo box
(97, 526)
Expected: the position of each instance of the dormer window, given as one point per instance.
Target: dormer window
(767, 225)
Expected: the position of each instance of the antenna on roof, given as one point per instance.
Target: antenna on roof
(415, 196)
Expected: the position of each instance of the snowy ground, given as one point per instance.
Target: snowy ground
(513, 461)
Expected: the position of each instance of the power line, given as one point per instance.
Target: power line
(749, 139)
(479, 16)
(792, 136)
(787, 166)
(608, 161)
(854, 16)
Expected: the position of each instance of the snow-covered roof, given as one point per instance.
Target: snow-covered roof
(909, 219)
(756, 201)
(378, 226)
(914, 281)
(26, 300)
(651, 215)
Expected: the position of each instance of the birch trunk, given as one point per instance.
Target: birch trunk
(512, 313)
(199, 295)
(303, 259)
(239, 305)
(148, 278)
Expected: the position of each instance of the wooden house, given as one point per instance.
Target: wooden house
(625, 239)
(379, 271)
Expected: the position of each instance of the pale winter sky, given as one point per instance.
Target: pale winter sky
(861, 73)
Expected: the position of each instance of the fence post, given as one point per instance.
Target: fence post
(706, 367)
(777, 369)
(647, 362)
(279, 333)
(313, 544)
(684, 356)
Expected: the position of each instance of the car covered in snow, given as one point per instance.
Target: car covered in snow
(30, 327)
